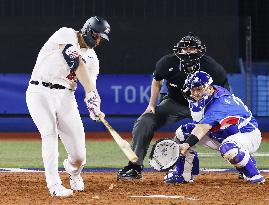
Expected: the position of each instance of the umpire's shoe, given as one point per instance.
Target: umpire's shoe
(130, 172)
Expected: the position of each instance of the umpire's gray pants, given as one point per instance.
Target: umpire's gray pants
(167, 112)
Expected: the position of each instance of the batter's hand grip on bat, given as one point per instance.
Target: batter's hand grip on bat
(123, 144)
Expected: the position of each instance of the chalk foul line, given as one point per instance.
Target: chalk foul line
(166, 196)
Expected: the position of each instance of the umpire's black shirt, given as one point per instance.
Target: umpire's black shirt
(168, 68)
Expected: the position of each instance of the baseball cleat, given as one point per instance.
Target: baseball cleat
(76, 182)
(60, 190)
(175, 178)
(241, 175)
(257, 179)
(130, 172)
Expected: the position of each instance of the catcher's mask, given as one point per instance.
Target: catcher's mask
(95, 26)
(198, 79)
(164, 154)
(189, 51)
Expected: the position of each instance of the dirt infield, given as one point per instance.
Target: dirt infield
(103, 189)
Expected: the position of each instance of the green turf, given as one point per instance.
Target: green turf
(101, 154)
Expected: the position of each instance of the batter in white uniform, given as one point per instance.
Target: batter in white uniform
(66, 57)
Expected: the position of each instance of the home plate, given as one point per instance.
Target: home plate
(165, 196)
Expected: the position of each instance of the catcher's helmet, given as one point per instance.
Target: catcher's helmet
(190, 61)
(199, 78)
(97, 25)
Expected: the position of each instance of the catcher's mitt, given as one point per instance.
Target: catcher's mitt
(164, 154)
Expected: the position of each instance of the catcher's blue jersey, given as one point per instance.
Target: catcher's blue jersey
(225, 112)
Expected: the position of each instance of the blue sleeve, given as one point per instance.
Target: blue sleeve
(215, 113)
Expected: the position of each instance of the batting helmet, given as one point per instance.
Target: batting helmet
(190, 61)
(95, 25)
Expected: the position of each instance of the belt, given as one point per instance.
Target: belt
(49, 85)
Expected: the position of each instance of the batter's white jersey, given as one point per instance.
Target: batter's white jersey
(55, 111)
(51, 66)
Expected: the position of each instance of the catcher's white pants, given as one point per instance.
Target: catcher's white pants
(55, 113)
(249, 141)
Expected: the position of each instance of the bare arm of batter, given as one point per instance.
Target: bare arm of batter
(91, 93)
(84, 77)
(155, 90)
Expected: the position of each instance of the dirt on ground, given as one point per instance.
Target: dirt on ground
(103, 188)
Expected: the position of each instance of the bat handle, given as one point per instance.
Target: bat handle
(101, 117)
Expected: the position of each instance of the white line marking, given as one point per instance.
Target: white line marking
(201, 169)
(204, 154)
(166, 196)
(18, 170)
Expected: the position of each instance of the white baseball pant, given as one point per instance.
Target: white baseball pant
(55, 113)
(249, 141)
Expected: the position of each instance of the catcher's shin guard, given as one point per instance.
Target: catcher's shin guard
(186, 167)
(195, 167)
(242, 161)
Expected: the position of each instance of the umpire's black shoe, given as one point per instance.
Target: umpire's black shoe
(130, 172)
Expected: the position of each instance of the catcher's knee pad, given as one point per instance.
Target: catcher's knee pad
(183, 132)
(236, 156)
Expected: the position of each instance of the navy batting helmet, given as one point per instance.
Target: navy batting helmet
(97, 25)
(190, 61)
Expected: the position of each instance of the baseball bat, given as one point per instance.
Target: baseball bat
(123, 144)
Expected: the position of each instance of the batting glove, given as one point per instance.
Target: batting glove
(93, 104)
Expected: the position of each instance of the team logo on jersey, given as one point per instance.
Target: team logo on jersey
(173, 85)
(107, 30)
(72, 76)
(171, 69)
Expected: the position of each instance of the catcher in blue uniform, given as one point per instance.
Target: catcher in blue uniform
(221, 121)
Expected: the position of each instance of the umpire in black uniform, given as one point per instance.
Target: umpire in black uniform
(187, 58)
